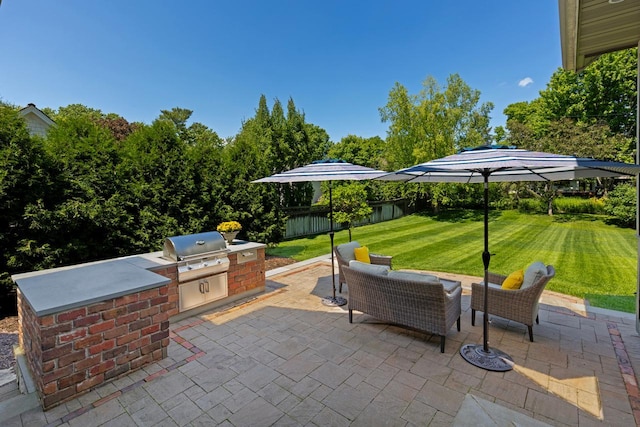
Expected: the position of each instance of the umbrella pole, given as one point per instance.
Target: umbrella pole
(484, 357)
(332, 300)
(486, 259)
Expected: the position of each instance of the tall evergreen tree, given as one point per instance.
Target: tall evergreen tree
(24, 181)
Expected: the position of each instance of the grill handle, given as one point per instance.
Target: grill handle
(200, 242)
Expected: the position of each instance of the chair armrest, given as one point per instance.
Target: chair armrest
(496, 278)
(450, 285)
(380, 259)
(455, 293)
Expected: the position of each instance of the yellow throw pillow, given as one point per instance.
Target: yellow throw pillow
(362, 254)
(514, 280)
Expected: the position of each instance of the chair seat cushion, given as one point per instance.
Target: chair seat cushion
(346, 250)
(369, 268)
(533, 273)
(362, 254)
(514, 280)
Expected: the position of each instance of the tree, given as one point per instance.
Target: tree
(81, 219)
(74, 111)
(434, 123)
(566, 136)
(587, 114)
(604, 92)
(178, 116)
(161, 194)
(119, 127)
(621, 204)
(24, 181)
(369, 152)
(255, 206)
(349, 204)
(354, 149)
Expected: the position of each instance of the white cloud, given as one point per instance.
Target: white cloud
(525, 82)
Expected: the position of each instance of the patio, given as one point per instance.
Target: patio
(284, 358)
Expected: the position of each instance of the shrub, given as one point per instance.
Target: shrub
(577, 205)
(621, 204)
(531, 206)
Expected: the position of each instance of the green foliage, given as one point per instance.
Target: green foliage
(566, 136)
(577, 205)
(605, 91)
(270, 143)
(435, 122)
(99, 187)
(589, 114)
(621, 205)
(354, 149)
(25, 180)
(592, 259)
(451, 195)
(532, 205)
(349, 204)
(369, 152)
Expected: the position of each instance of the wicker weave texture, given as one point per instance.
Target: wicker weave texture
(419, 305)
(520, 305)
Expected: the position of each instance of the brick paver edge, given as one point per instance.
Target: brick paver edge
(626, 369)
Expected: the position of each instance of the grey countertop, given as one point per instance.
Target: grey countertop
(59, 289)
(64, 289)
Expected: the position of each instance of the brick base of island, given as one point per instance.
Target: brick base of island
(82, 326)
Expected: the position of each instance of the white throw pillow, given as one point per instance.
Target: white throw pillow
(369, 268)
(346, 250)
(533, 273)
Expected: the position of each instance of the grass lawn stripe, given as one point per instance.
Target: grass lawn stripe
(593, 260)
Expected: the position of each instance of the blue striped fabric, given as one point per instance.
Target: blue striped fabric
(509, 164)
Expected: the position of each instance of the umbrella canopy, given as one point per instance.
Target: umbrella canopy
(504, 164)
(326, 170)
(507, 164)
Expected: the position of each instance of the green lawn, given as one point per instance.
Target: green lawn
(593, 260)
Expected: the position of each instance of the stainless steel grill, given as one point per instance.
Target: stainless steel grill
(197, 255)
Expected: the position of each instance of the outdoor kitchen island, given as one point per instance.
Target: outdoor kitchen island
(84, 325)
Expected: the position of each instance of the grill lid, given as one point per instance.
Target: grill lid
(179, 248)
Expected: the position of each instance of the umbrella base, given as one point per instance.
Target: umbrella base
(492, 360)
(334, 301)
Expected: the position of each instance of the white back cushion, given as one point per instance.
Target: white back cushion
(369, 268)
(533, 273)
(346, 250)
(413, 276)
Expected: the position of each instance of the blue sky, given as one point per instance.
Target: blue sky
(338, 60)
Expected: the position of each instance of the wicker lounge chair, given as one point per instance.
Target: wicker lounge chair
(520, 305)
(421, 305)
(344, 254)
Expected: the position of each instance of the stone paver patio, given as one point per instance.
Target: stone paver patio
(283, 358)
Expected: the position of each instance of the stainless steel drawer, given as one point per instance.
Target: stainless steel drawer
(247, 255)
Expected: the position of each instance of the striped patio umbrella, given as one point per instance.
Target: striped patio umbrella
(326, 170)
(504, 164)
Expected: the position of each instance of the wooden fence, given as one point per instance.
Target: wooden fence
(315, 220)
